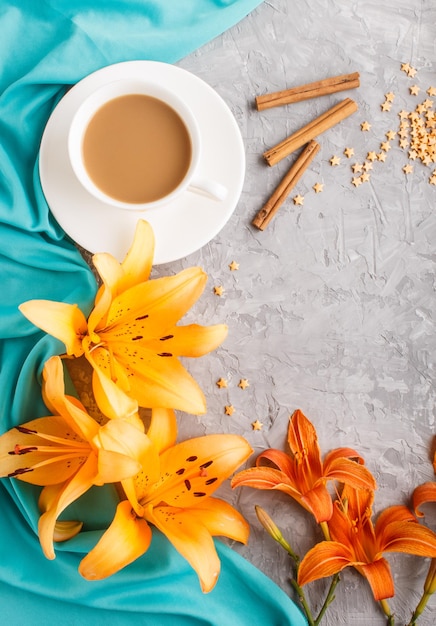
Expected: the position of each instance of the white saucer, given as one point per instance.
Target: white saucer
(181, 227)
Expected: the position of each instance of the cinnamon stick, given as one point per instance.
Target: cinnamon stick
(317, 126)
(311, 90)
(270, 208)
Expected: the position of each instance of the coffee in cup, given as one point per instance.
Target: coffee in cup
(136, 145)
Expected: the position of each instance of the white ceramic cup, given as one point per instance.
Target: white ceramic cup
(102, 95)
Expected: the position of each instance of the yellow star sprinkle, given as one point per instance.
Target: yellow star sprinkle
(411, 72)
(218, 291)
(367, 166)
(365, 177)
(243, 383)
(381, 156)
(357, 167)
(390, 97)
(386, 146)
(371, 156)
(234, 266)
(431, 91)
(229, 409)
(318, 187)
(349, 152)
(221, 383)
(299, 200)
(414, 90)
(335, 160)
(257, 425)
(408, 169)
(390, 135)
(356, 181)
(365, 126)
(405, 67)
(386, 106)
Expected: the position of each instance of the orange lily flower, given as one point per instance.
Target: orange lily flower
(69, 452)
(130, 337)
(357, 543)
(173, 493)
(424, 494)
(302, 474)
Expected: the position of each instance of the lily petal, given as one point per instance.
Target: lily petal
(303, 442)
(104, 363)
(137, 486)
(53, 392)
(64, 321)
(153, 306)
(192, 539)
(72, 489)
(126, 539)
(139, 260)
(349, 472)
(163, 429)
(113, 402)
(319, 502)
(66, 530)
(161, 381)
(348, 453)
(194, 469)
(282, 460)
(110, 272)
(221, 519)
(114, 467)
(135, 268)
(398, 513)
(324, 559)
(266, 478)
(422, 495)
(190, 341)
(123, 451)
(124, 438)
(379, 576)
(41, 452)
(408, 537)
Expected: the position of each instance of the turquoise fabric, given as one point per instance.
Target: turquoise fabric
(45, 46)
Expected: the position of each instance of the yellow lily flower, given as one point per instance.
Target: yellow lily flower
(302, 474)
(357, 543)
(69, 452)
(130, 337)
(174, 495)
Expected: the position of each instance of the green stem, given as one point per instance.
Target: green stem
(420, 608)
(429, 589)
(387, 611)
(303, 602)
(273, 530)
(325, 530)
(329, 598)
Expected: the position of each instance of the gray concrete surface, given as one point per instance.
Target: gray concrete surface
(332, 307)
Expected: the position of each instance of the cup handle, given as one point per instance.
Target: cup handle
(208, 188)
